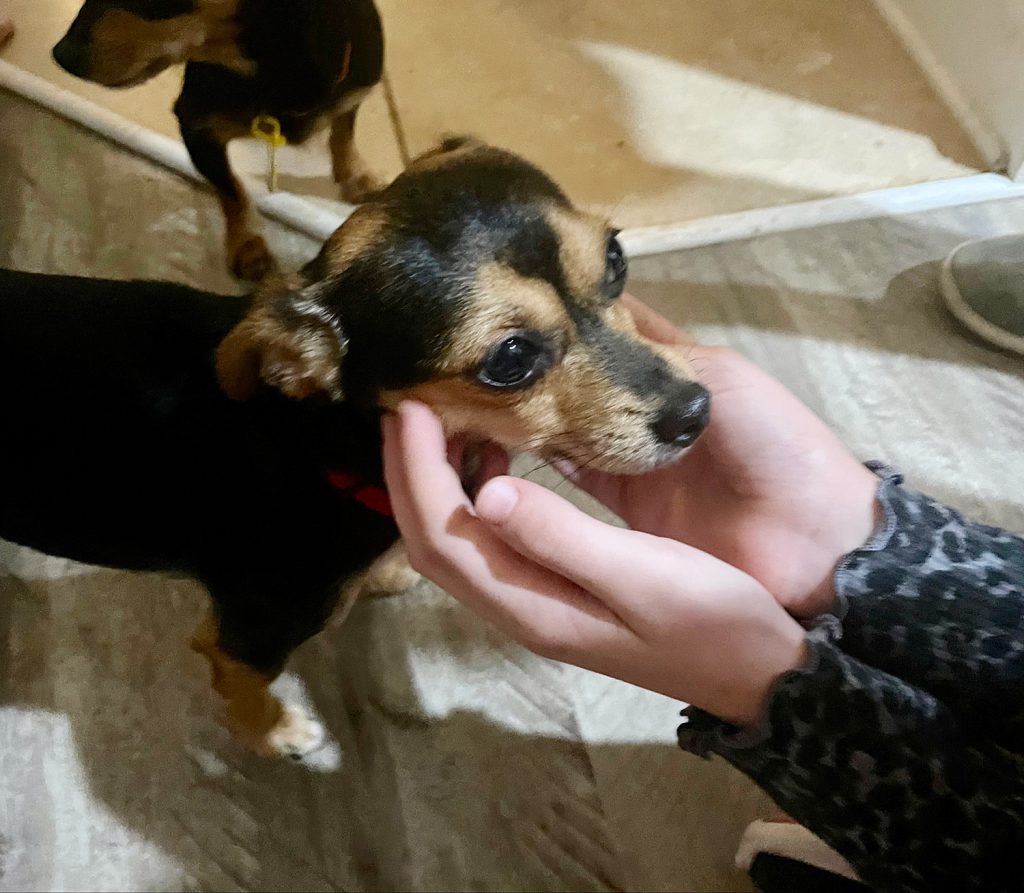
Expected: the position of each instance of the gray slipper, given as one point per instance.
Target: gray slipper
(983, 284)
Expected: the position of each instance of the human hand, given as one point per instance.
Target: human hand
(642, 608)
(767, 488)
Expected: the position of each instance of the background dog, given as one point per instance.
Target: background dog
(306, 63)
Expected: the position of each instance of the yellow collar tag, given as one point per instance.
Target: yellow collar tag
(267, 129)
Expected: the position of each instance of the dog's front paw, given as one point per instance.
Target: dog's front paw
(390, 574)
(359, 188)
(296, 735)
(395, 578)
(250, 259)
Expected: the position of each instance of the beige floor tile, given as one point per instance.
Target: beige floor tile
(305, 170)
(664, 110)
(677, 110)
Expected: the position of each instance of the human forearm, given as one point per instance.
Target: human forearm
(883, 773)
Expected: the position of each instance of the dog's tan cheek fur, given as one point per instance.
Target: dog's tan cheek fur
(464, 407)
(112, 58)
(220, 44)
(363, 230)
(123, 44)
(609, 421)
(620, 319)
(531, 418)
(574, 409)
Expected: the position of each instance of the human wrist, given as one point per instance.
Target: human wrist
(853, 517)
(781, 649)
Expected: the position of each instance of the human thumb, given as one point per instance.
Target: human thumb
(552, 532)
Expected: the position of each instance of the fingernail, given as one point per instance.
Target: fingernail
(496, 500)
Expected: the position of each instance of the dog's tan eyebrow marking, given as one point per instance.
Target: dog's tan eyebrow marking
(442, 156)
(582, 240)
(502, 301)
(357, 236)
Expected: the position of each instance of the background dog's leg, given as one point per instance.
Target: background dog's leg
(350, 170)
(248, 256)
(253, 713)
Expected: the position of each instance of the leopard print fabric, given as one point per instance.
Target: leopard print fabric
(898, 743)
(939, 601)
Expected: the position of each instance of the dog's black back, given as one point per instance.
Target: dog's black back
(300, 52)
(120, 449)
(299, 49)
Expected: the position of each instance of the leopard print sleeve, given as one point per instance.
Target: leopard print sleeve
(900, 742)
(880, 770)
(939, 601)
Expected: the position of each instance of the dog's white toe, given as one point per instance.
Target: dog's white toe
(295, 735)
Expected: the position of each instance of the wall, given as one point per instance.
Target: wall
(973, 51)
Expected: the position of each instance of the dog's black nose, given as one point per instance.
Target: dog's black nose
(71, 56)
(684, 416)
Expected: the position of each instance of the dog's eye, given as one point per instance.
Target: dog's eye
(615, 269)
(515, 362)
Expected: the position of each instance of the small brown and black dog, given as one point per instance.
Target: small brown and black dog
(237, 440)
(306, 63)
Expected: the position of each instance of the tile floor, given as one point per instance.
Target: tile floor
(467, 764)
(676, 110)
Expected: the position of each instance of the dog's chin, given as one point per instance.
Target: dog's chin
(640, 463)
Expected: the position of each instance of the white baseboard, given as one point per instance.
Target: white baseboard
(291, 210)
(892, 202)
(318, 223)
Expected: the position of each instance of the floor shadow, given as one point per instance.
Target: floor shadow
(659, 115)
(908, 320)
(420, 802)
(879, 288)
(555, 105)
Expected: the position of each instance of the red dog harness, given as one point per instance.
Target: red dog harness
(369, 496)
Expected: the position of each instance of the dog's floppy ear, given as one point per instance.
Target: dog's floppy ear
(290, 341)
